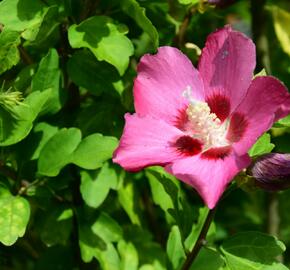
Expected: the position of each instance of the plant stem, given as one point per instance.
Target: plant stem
(200, 240)
(273, 217)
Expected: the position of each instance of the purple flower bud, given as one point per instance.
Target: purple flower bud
(221, 3)
(272, 171)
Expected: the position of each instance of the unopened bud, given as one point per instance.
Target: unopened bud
(272, 171)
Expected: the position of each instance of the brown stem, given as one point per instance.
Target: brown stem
(180, 37)
(200, 240)
(25, 56)
(273, 218)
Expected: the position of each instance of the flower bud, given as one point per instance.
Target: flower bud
(221, 3)
(272, 171)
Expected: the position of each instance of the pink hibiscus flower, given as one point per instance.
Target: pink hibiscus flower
(200, 124)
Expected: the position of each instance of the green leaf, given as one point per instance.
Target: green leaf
(47, 77)
(128, 199)
(129, 256)
(56, 226)
(134, 10)
(84, 70)
(67, 147)
(208, 259)
(253, 251)
(25, 16)
(284, 122)
(281, 21)
(263, 72)
(14, 217)
(105, 39)
(159, 195)
(151, 255)
(191, 239)
(262, 146)
(9, 54)
(174, 248)
(57, 152)
(107, 228)
(46, 131)
(92, 246)
(170, 187)
(93, 151)
(16, 120)
(188, 2)
(95, 186)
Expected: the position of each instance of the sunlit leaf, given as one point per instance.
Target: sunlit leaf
(175, 251)
(262, 146)
(134, 10)
(9, 54)
(281, 24)
(105, 39)
(95, 186)
(14, 216)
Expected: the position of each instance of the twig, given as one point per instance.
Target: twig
(273, 218)
(25, 56)
(201, 240)
(180, 37)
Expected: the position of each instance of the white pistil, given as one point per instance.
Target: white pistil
(204, 124)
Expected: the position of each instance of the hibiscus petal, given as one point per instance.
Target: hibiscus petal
(209, 177)
(146, 141)
(161, 81)
(267, 97)
(226, 66)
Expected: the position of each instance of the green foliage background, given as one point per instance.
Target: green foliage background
(67, 69)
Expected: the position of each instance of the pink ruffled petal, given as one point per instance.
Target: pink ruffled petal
(146, 141)
(226, 67)
(161, 81)
(209, 177)
(266, 101)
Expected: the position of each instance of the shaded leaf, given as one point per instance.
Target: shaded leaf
(95, 76)
(252, 250)
(56, 226)
(208, 259)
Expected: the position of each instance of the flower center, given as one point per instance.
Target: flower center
(204, 125)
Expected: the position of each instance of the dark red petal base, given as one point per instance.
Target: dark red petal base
(181, 120)
(217, 153)
(188, 146)
(220, 105)
(237, 128)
